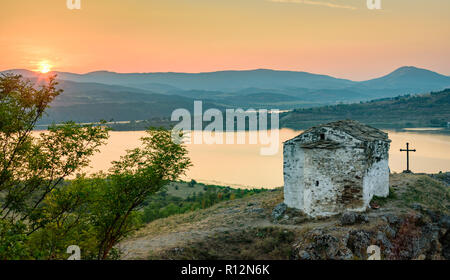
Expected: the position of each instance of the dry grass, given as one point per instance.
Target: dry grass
(419, 189)
(266, 243)
(230, 215)
(242, 228)
(183, 190)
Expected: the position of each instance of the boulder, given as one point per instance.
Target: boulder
(445, 221)
(445, 241)
(392, 219)
(322, 246)
(279, 211)
(348, 218)
(351, 218)
(358, 241)
(384, 243)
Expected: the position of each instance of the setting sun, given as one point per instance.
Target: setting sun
(44, 67)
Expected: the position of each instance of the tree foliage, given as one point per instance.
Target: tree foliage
(137, 175)
(41, 212)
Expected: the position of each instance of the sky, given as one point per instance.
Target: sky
(341, 38)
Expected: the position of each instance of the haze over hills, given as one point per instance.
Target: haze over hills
(87, 102)
(91, 102)
(135, 96)
(403, 77)
(221, 81)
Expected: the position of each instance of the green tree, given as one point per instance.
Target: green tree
(67, 212)
(31, 168)
(137, 175)
(99, 211)
(41, 213)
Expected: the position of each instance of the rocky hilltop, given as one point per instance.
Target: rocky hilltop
(412, 223)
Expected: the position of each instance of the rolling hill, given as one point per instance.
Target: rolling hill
(91, 102)
(408, 77)
(403, 78)
(135, 96)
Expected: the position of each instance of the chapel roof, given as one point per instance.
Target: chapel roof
(354, 128)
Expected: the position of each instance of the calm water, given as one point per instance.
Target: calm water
(243, 166)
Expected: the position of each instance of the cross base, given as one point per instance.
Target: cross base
(407, 171)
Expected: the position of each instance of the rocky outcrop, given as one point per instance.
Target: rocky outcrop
(319, 245)
(279, 211)
(358, 241)
(351, 218)
(399, 237)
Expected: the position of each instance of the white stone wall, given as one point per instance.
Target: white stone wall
(333, 180)
(376, 181)
(318, 200)
(293, 158)
(347, 177)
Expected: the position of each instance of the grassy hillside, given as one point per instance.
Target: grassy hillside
(427, 110)
(182, 197)
(245, 229)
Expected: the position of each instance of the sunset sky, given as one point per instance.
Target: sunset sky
(341, 38)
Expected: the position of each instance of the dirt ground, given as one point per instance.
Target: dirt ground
(255, 212)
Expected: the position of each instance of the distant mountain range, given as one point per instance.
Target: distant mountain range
(136, 96)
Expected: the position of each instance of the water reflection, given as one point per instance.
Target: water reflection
(243, 166)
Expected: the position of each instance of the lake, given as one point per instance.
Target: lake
(241, 165)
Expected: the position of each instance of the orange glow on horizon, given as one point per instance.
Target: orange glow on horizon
(203, 36)
(44, 67)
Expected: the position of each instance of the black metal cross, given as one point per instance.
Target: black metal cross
(407, 157)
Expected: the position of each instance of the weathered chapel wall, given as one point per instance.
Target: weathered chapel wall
(376, 181)
(333, 181)
(293, 161)
(328, 171)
